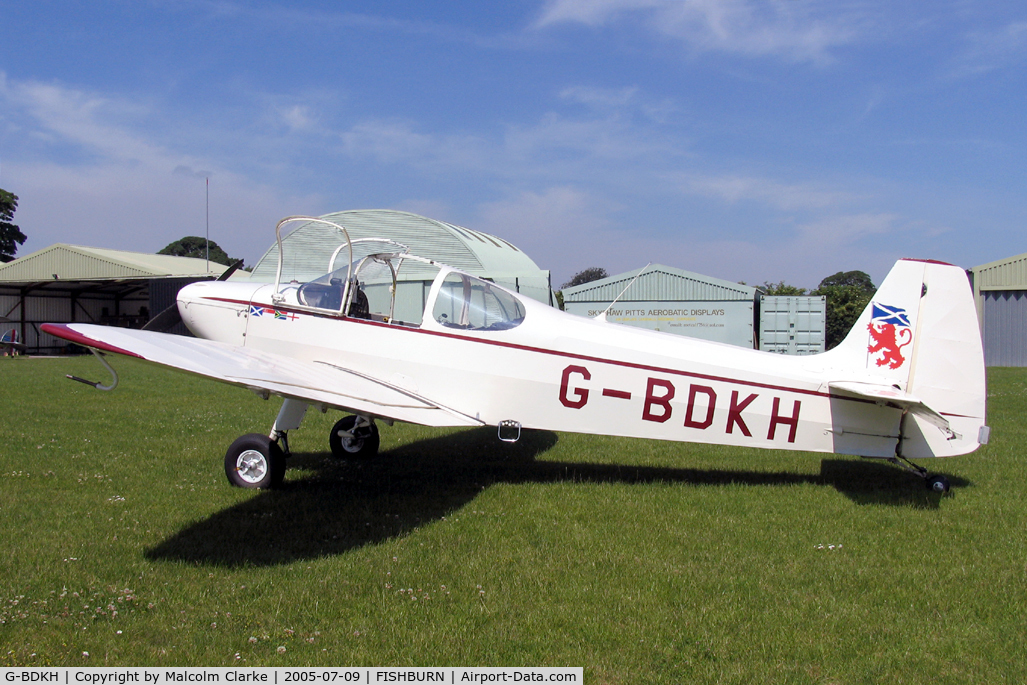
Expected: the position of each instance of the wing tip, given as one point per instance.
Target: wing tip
(65, 332)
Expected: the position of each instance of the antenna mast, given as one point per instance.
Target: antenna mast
(602, 317)
(208, 224)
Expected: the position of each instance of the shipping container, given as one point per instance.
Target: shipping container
(791, 324)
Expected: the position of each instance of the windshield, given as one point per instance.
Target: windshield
(388, 287)
(470, 303)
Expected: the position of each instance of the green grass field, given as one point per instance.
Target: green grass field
(643, 561)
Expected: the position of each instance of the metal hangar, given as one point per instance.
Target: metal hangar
(670, 300)
(1000, 289)
(71, 283)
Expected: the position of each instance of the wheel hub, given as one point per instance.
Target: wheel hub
(252, 465)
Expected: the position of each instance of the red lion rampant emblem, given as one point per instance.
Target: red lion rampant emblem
(890, 331)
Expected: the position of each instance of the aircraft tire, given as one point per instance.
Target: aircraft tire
(939, 484)
(362, 448)
(255, 461)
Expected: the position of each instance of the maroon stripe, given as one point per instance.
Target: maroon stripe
(558, 353)
(925, 261)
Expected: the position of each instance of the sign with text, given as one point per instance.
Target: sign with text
(728, 322)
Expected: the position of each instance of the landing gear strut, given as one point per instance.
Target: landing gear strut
(258, 461)
(936, 483)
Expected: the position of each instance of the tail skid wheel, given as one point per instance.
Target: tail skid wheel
(354, 437)
(255, 461)
(938, 484)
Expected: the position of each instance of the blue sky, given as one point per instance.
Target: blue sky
(755, 141)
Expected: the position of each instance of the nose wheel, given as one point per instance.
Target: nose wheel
(938, 484)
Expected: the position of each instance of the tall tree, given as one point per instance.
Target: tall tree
(781, 288)
(855, 279)
(592, 273)
(848, 294)
(192, 246)
(10, 235)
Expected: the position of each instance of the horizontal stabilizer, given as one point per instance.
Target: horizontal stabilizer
(890, 395)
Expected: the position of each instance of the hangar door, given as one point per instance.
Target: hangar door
(1005, 327)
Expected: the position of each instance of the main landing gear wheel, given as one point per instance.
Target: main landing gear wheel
(360, 438)
(255, 461)
(938, 484)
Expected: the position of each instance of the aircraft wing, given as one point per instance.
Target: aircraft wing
(887, 394)
(312, 382)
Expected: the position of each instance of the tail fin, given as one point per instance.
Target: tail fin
(920, 335)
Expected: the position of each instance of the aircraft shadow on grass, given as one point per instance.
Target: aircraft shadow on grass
(345, 505)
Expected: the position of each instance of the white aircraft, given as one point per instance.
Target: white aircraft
(907, 383)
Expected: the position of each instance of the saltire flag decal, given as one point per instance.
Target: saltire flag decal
(883, 313)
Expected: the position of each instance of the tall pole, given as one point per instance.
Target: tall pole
(208, 224)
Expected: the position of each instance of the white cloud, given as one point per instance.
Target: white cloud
(788, 29)
(387, 140)
(86, 172)
(396, 141)
(297, 117)
(562, 211)
(563, 228)
(836, 231)
(600, 97)
(553, 145)
(555, 139)
(592, 12)
(78, 118)
(624, 102)
(993, 49)
(567, 228)
(784, 196)
(98, 170)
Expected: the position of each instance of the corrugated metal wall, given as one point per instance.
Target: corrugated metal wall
(135, 306)
(792, 324)
(1005, 328)
(724, 321)
(657, 285)
(57, 308)
(1007, 273)
(67, 263)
